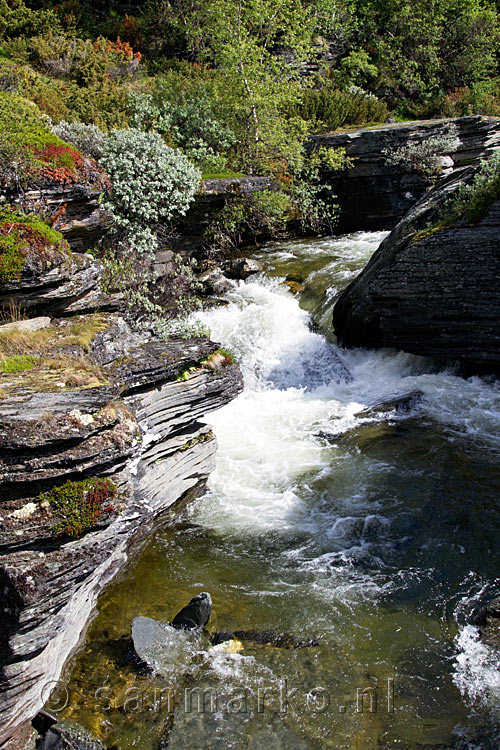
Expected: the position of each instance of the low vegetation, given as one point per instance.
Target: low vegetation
(25, 237)
(79, 505)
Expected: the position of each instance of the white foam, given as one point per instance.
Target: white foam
(477, 673)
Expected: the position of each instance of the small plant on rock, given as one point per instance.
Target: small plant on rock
(80, 504)
(423, 157)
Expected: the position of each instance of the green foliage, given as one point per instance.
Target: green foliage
(473, 199)
(88, 139)
(22, 122)
(423, 157)
(356, 69)
(17, 363)
(330, 108)
(149, 181)
(20, 236)
(183, 107)
(79, 504)
(422, 48)
(17, 19)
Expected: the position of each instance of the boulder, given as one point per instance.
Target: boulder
(32, 324)
(194, 615)
(65, 736)
(430, 289)
(242, 269)
(398, 404)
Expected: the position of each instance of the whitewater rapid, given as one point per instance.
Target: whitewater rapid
(299, 387)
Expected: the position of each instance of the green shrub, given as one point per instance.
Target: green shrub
(150, 181)
(423, 157)
(182, 108)
(331, 108)
(473, 199)
(80, 504)
(16, 20)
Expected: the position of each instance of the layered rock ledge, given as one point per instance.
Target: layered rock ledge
(375, 195)
(430, 289)
(141, 425)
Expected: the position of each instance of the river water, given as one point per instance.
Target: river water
(371, 538)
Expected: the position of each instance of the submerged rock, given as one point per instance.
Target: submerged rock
(398, 404)
(63, 736)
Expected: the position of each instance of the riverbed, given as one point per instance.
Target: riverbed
(367, 539)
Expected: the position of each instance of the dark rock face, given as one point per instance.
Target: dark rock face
(194, 615)
(435, 295)
(373, 194)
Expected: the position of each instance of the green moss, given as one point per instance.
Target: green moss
(18, 363)
(11, 259)
(428, 232)
(7, 216)
(205, 437)
(187, 372)
(79, 504)
(221, 175)
(20, 234)
(22, 122)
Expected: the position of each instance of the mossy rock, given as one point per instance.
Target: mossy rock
(27, 243)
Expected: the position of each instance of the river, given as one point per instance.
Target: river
(370, 537)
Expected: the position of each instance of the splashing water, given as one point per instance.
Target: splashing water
(361, 531)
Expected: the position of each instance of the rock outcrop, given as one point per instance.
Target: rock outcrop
(431, 288)
(373, 194)
(85, 398)
(143, 429)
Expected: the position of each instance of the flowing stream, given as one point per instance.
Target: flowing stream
(369, 538)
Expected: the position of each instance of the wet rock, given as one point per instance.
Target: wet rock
(194, 615)
(487, 619)
(398, 404)
(213, 281)
(163, 648)
(432, 293)
(64, 736)
(242, 269)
